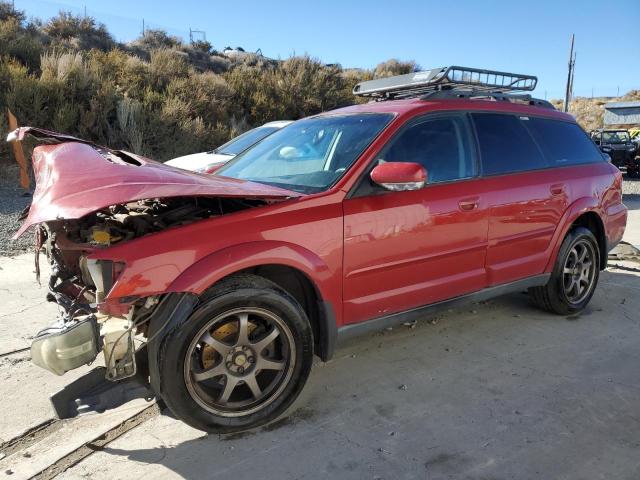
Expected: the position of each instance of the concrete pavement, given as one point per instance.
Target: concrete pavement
(494, 390)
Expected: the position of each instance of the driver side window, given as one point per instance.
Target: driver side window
(440, 144)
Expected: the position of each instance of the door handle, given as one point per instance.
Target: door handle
(557, 189)
(468, 204)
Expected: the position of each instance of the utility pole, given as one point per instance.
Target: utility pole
(567, 94)
(573, 74)
(143, 27)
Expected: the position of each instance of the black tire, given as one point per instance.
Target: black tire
(236, 292)
(553, 296)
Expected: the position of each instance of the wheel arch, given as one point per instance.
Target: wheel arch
(593, 222)
(584, 212)
(319, 312)
(296, 270)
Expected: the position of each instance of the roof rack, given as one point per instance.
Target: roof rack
(445, 78)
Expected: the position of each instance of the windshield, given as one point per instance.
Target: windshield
(244, 141)
(615, 137)
(309, 155)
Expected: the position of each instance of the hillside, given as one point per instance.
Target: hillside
(590, 111)
(158, 96)
(155, 95)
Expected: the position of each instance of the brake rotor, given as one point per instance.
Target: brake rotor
(224, 333)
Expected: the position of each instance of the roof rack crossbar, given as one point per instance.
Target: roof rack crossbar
(412, 84)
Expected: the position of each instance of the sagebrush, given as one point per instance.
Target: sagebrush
(155, 95)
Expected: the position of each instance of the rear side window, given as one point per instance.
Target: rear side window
(505, 144)
(563, 143)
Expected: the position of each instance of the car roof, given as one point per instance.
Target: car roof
(418, 105)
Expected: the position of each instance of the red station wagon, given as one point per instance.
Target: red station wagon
(446, 187)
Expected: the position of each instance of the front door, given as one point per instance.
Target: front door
(407, 249)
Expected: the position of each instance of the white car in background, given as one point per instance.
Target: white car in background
(209, 162)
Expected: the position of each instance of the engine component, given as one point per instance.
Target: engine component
(119, 350)
(103, 274)
(102, 236)
(65, 346)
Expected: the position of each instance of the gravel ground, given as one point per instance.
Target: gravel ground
(631, 187)
(13, 200)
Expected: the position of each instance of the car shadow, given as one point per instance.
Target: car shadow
(339, 436)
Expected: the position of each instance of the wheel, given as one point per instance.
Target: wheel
(574, 277)
(239, 360)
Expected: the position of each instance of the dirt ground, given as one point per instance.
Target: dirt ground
(497, 390)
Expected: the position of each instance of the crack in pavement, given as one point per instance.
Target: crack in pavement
(24, 309)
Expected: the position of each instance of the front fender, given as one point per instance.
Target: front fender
(208, 270)
(577, 208)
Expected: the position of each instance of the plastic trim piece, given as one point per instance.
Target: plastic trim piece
(350, 331)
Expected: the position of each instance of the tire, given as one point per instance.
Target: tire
(186, 349)
(555, 296)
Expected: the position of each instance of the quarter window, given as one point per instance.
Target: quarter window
(505, 144)
(441, 145)
(563, 143)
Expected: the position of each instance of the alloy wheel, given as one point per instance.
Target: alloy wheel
(579, 271)
(240, 361)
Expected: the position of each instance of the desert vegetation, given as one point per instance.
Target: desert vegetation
(156, 95)
(159, 96)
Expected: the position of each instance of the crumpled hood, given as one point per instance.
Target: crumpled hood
(75, 177)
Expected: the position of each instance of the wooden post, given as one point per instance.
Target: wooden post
(25, 181)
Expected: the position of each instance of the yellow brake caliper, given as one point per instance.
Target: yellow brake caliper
(224, 333)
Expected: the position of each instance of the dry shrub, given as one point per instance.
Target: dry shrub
(395, 67)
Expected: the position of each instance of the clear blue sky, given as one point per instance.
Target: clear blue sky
(524, 37)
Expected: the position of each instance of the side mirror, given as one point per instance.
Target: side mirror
(399, 176)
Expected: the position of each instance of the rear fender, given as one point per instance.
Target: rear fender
(577, 208)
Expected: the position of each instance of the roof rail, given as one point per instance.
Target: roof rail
(484, 95)
(445, 78)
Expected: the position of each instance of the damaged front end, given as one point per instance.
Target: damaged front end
(89, 198)
(80, 284)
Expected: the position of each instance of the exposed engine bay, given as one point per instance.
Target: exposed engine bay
(79, 284)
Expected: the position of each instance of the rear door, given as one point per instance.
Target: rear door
(526, 198)
(407, 249)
